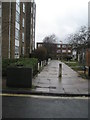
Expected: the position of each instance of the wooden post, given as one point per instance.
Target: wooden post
(60, 70)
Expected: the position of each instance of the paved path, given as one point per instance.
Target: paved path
(48, 80)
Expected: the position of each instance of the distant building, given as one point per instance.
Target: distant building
(61, 51)
(17, 28)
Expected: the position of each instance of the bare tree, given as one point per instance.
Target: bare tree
(49, 42)
(79, 39)
(50, 39)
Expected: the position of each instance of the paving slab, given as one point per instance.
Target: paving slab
(71, 83)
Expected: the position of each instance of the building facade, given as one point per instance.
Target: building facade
(14, 29)
(0, 28)
(59, 51)
(30, 25)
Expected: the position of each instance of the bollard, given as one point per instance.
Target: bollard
(49, 60)
(60, 70)
(38, 66)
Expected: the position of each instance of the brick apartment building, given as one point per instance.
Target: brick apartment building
(0, 27)
(30, 25)
(60, 51)
(18, 28)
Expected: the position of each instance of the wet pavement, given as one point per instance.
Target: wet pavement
(49, 82)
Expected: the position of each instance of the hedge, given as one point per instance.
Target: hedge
(24, 62)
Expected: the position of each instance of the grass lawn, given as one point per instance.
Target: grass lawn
(75, 65)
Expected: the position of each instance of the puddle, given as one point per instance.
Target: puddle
(51, 87)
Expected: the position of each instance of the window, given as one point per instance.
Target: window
(33, 20)
(64, 46)
(31, 0)
(23, 22)
(18, 2)
(69, 51)
(16, 49)
(17, 25)
(58, 46)
(16, 42)
(16, 52)
(58, 51)
(18, 8)
(17, 17)
(34, 11)
(17, 34)
(0, 12)
(22, 37)
(39, 45)
(31, 10)
(23, 50)
(0, 28)
(33, 30)
(63, 51)
(24, 7)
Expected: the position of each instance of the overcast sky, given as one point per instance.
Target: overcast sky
(60, 17)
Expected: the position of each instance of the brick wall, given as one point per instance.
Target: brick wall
(5, 29)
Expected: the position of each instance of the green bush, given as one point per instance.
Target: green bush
(5, 64)
(24, 62)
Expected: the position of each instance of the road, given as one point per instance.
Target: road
(23, 106)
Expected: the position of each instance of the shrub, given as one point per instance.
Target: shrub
(5, 64)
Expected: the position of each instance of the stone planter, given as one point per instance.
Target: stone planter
(19, 77)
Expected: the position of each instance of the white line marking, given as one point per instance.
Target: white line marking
(45, 97)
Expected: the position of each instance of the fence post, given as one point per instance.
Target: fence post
(60, 70)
